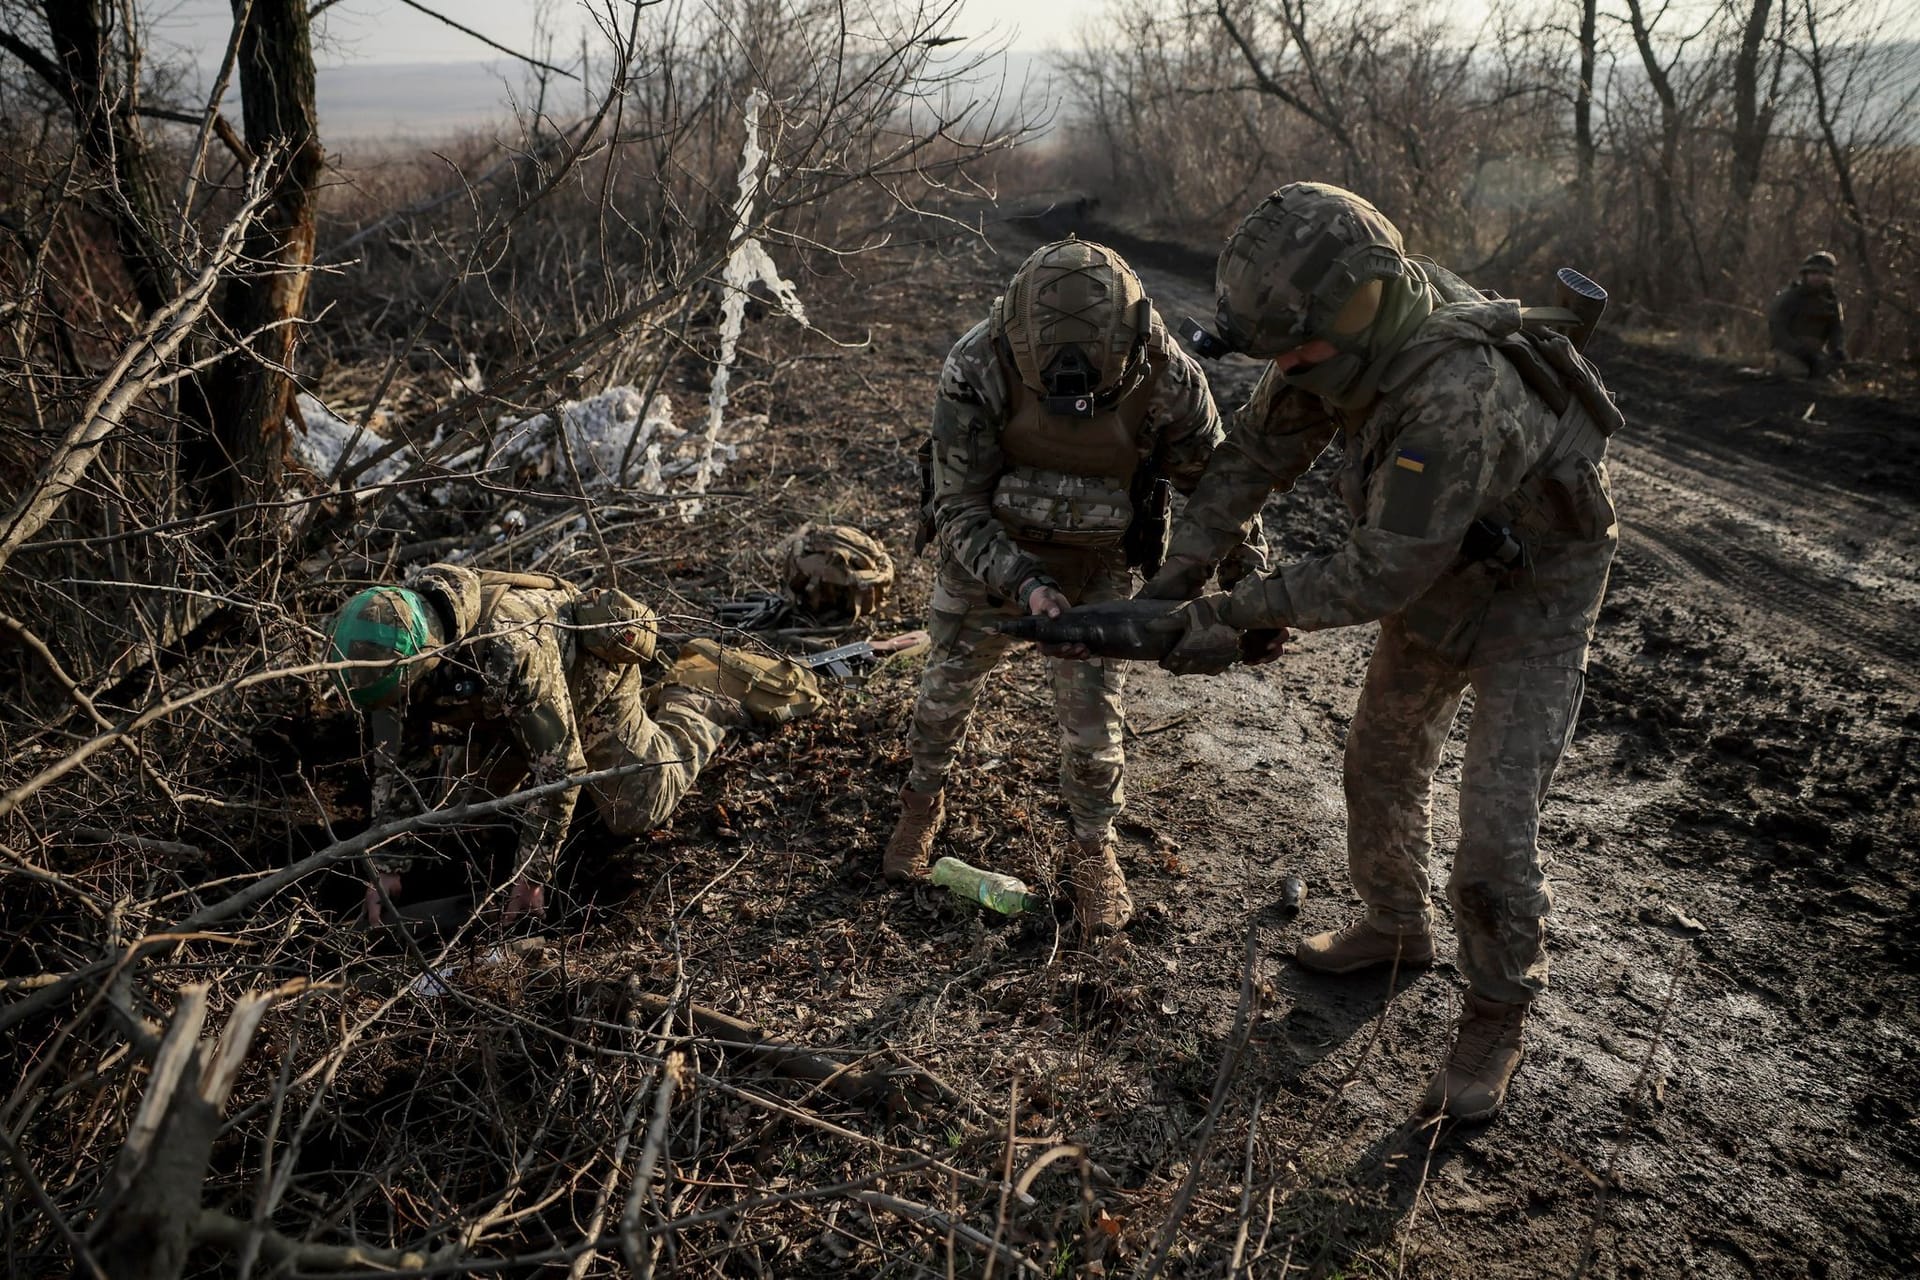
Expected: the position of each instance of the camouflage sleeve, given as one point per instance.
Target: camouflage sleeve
(524, 683)
(1186, 421)
(1430, 483)
(968, 413)
(1276, 436)
(390, 792)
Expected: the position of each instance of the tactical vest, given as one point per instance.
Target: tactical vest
(1068, 481)
(1815, 312)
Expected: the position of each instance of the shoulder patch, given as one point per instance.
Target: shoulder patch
(1413, 483)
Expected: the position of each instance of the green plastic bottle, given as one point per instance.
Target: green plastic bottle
(990, 889)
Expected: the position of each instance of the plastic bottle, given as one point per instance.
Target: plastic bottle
(997, 892)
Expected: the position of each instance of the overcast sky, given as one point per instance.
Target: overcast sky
(376, 31)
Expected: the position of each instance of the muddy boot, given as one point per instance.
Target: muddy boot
(1361, 946)
(1486, 1050)
(1101, 903)
(910, 847)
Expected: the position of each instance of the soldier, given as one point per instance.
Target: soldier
(1483, 531)
(1054, 417)
(546, 684)
(1807, 324)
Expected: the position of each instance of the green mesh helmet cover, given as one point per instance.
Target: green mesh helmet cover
(1074, 293)
(381, 624)
(1295, 260)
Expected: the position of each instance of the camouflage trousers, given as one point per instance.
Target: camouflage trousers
(1086, 694)
(676, 742)
(1523, 718)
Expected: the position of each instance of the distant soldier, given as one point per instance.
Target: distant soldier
(1055, 418)
(543, 683)
(1806, 323)
(1475, 473)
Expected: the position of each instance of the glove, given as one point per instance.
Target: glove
(1263, 644)
(1244, 561)
(1207, 644)
(1180, 578)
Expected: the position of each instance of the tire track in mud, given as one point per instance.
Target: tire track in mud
(1717, 557)
(1691, 533)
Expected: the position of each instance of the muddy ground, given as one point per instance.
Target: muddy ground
(1732, 1099)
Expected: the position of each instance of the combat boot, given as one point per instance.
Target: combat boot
(1472, 1084)
(1361, 946)
(1101, 903)
(910, 847)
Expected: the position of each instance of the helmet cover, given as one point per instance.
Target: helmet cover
(835, 568)
(1074, 317)
(381, 624)
(1295, 261)
(1821, 261)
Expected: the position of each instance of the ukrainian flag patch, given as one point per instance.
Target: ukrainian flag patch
(1408, 460)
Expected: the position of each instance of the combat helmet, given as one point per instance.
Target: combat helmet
(1076, 320)
(1820, 260)
(383, 624)
(1294, 264)
(835, 569)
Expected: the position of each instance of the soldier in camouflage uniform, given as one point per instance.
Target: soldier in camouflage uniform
(1806, 323)
(1049, 414)
(1475, 472)
(545, 683)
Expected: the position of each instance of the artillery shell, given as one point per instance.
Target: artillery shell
(1293, 892)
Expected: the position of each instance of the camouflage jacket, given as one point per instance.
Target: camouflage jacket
(516, 688)
(1800, 317)
(974, 402)
(1461, 439)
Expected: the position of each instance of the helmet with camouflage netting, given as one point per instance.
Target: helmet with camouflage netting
(389, 625)
(1076, 320)
(1821, 260)
(835, 569)
(1303, 265)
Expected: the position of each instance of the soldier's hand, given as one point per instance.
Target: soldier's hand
(1047, 601)
(1207, 644)
(1180, 578)
(524, 898)
(387, 884)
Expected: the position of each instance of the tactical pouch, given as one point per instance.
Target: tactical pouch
(1060, 509)
(1145, 541)
(923, 532)
(1446, 620)
(773, 690)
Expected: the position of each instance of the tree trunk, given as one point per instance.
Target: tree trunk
(1584, 151)
(1752, 124)
(103, 107)
(249, 392)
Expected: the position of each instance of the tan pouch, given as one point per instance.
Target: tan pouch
(773, 690)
